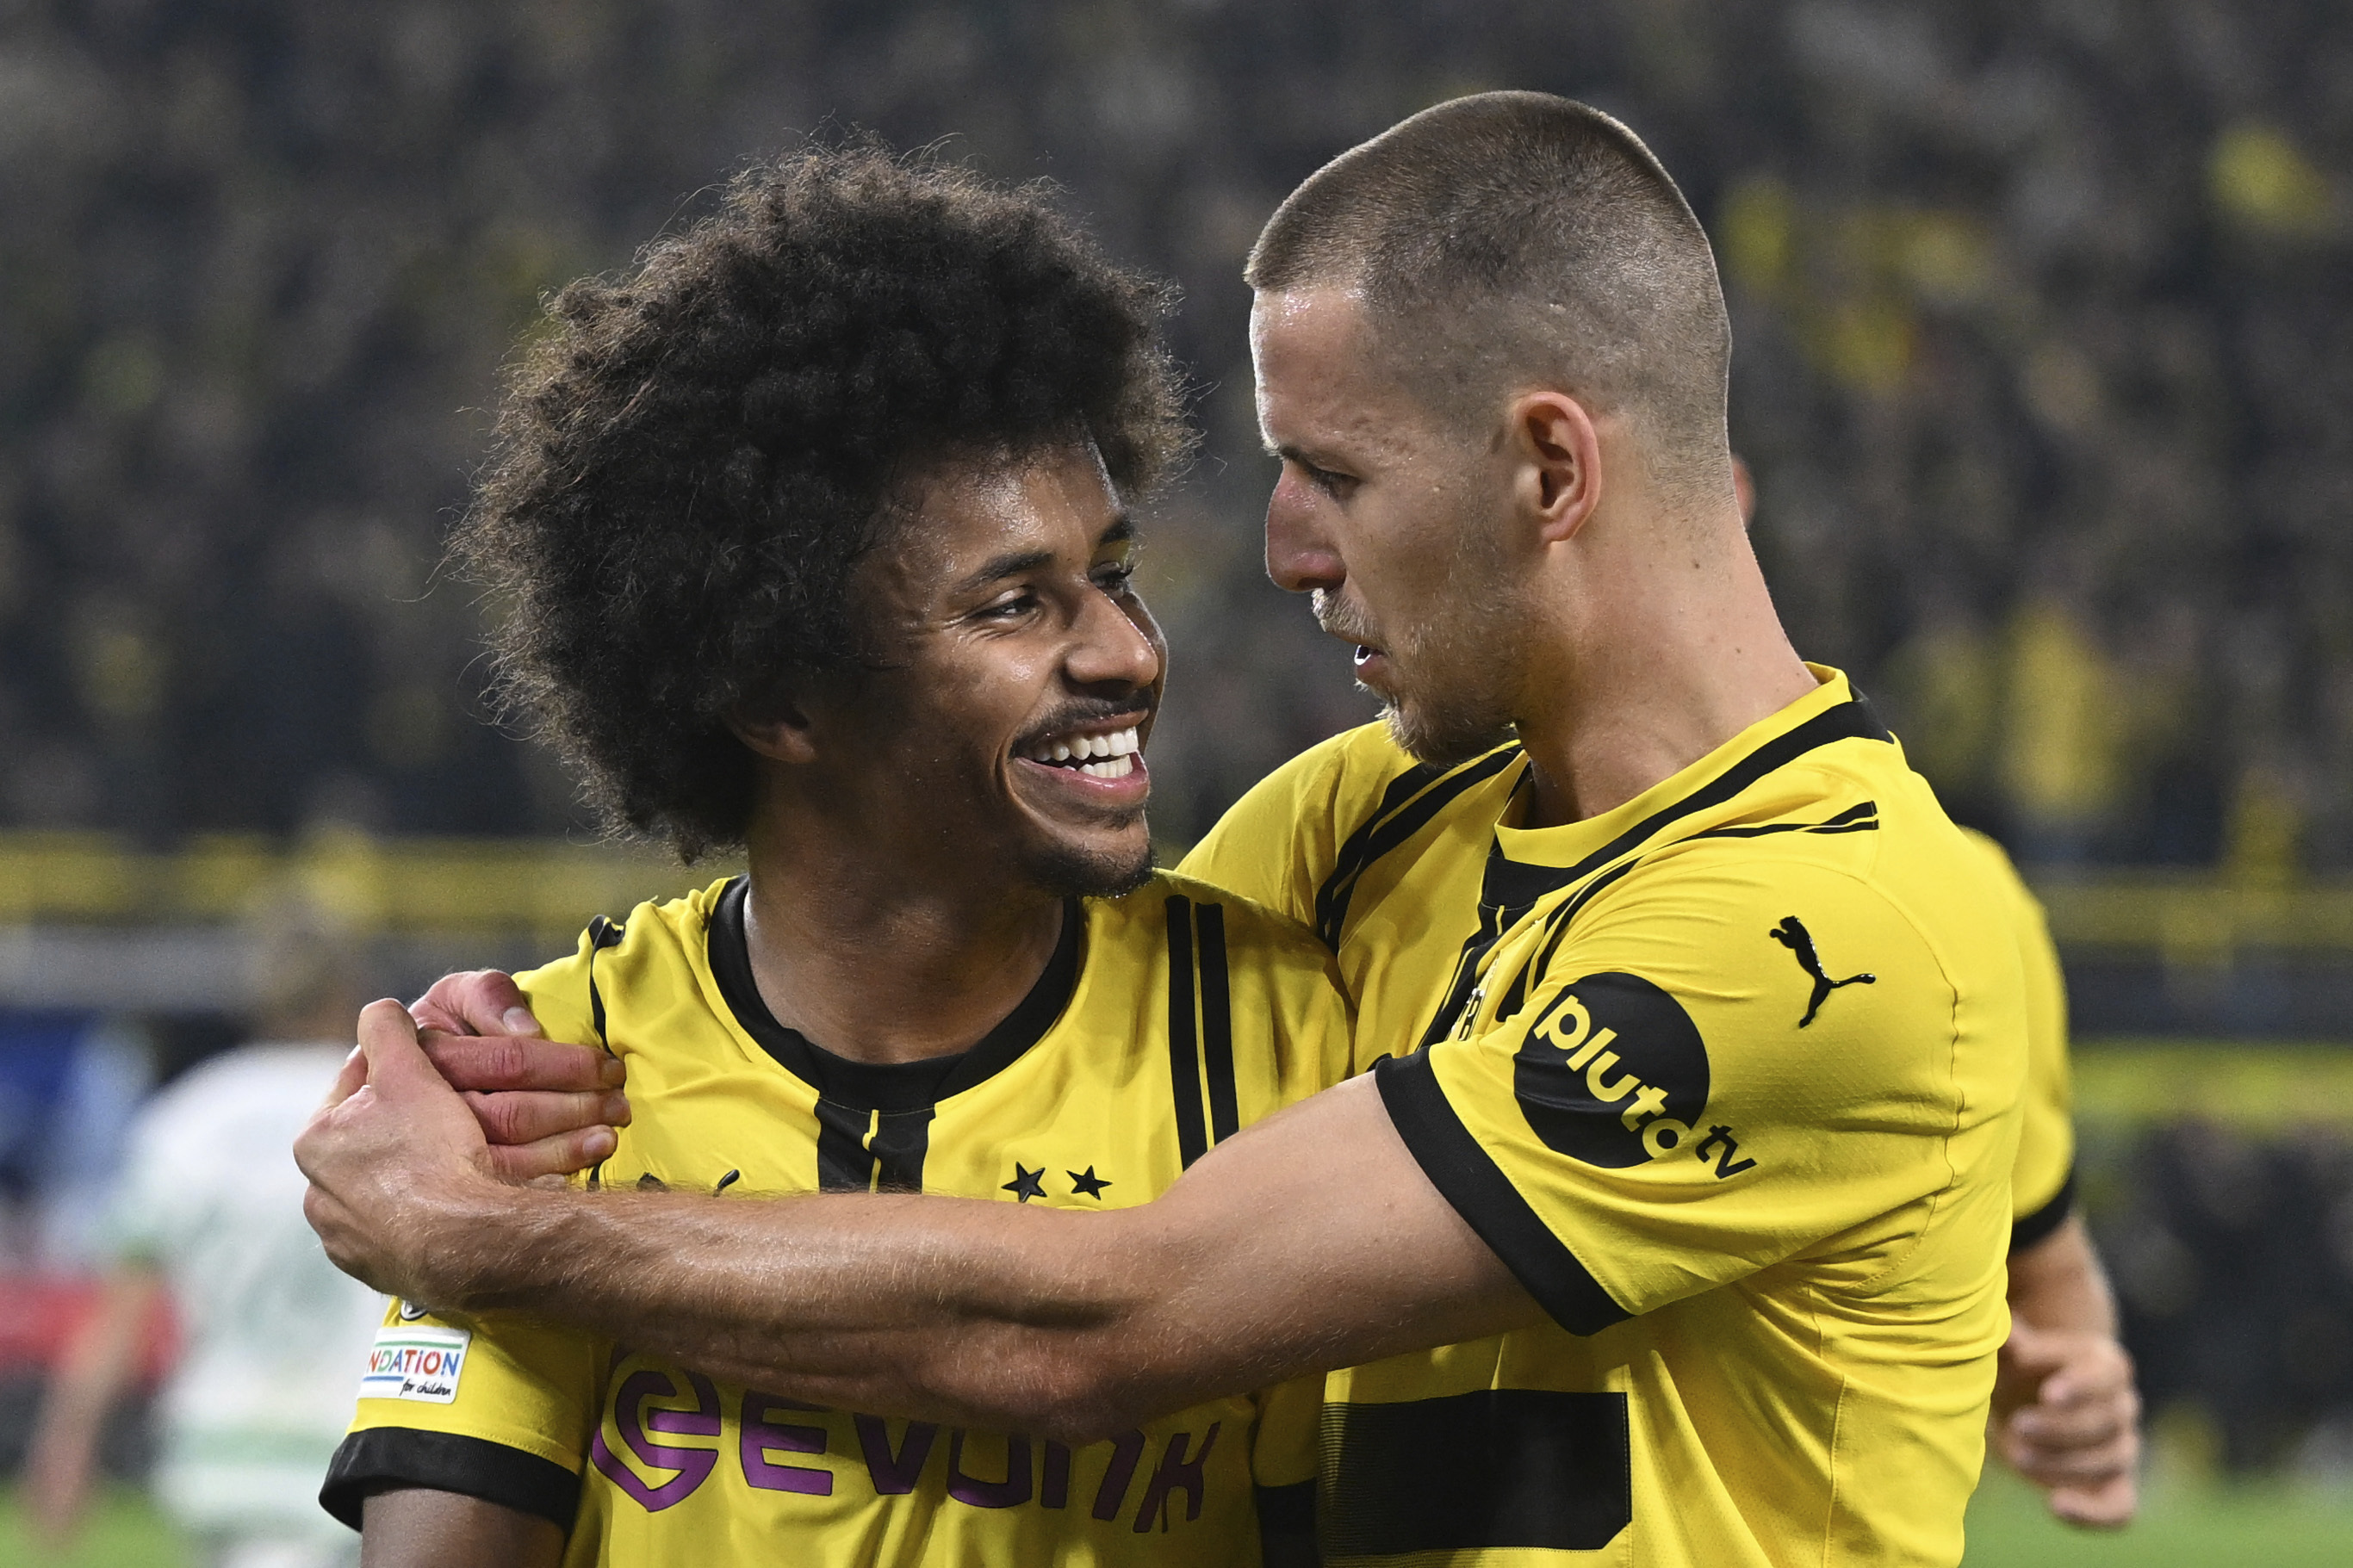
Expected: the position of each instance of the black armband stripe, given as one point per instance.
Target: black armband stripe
(2029, 1229)
(1466, 1175)
(383, 1458)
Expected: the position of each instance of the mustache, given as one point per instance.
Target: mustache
(1340, 618)
(1069, 717)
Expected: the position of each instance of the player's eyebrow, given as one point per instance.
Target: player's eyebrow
(1015, 562)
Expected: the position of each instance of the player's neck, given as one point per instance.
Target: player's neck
(877, 965)
(1660, 662)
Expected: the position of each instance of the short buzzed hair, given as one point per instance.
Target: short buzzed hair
(1512, 237)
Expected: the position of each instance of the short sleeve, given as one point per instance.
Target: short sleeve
(493, 1406)
(2042, 1182)
(1276, 844)
(1695, 1090)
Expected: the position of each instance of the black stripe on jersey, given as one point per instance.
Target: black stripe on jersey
(382, 1458)
(602, 933)
(1524, 884)
(1862, 818)
(1184, 1054)
(1850, 720)
(1467, 1177)
(1498, 1466)
(1406, 808)
(2030, 1229)
(1217, 1024)
(843, 1162)
(901, 1140)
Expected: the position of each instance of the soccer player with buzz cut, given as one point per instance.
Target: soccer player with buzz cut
(1698, 1029)
(814, 539)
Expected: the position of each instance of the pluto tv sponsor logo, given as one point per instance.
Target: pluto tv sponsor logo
(1614, 1074)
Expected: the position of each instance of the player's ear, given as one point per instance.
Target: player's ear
(1558, 468)
(781, 730)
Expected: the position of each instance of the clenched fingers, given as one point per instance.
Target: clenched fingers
(2084, 1421)
(492, 1063)
(526, 1116)
(2107, 1506)
(476, 1002)
(546, 1161)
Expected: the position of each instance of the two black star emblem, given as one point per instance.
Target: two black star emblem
(1027, 1183)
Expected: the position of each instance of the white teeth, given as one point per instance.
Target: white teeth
(1117, 767)
(1085, 749)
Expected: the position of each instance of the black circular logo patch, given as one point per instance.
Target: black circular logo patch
(1614, 1073)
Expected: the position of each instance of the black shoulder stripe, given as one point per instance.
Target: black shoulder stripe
(1850, 720)
(1355, 849)
(1467, 1177)
(1407, 807)
(1184, 1054)
(1862, 818)
(602, 933)
(1217, 1024)
(382, 1458)
(2031, 1230)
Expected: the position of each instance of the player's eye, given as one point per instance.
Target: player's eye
(1116, 577)
(1330, 483)
(1012, 606)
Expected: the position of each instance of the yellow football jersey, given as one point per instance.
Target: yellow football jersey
(1166, 1020)
(1729, 1075)
(2042, 1182)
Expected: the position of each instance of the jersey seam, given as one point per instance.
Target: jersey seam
(1952, 1075)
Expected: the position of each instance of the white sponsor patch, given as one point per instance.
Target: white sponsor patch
(413, 1362)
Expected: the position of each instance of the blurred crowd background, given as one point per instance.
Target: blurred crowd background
(2043, 316)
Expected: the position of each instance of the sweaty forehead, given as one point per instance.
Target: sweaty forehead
(1322, 379)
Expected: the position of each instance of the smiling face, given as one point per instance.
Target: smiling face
(1391, 519)
(1017, 678)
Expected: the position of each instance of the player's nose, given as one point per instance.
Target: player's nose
(1112, 649)
(1300, 554)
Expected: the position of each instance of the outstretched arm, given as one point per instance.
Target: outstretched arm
(1310, 1240)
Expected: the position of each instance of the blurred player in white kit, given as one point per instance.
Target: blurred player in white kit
(209, 1212)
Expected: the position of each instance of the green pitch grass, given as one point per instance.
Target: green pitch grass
(2271, 1525)
(123, 1531)
(2275, 1527)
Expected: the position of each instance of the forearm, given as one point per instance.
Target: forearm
(2058, 1283)
(938, 1309)
(1259, 1265)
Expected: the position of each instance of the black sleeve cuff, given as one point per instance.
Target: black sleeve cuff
(383, 1458)
(2028, 1230)
(1466, 1175)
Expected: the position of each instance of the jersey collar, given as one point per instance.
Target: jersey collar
(886, 1086)
(1832, 712)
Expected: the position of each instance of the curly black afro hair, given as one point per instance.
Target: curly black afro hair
(691, 459)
